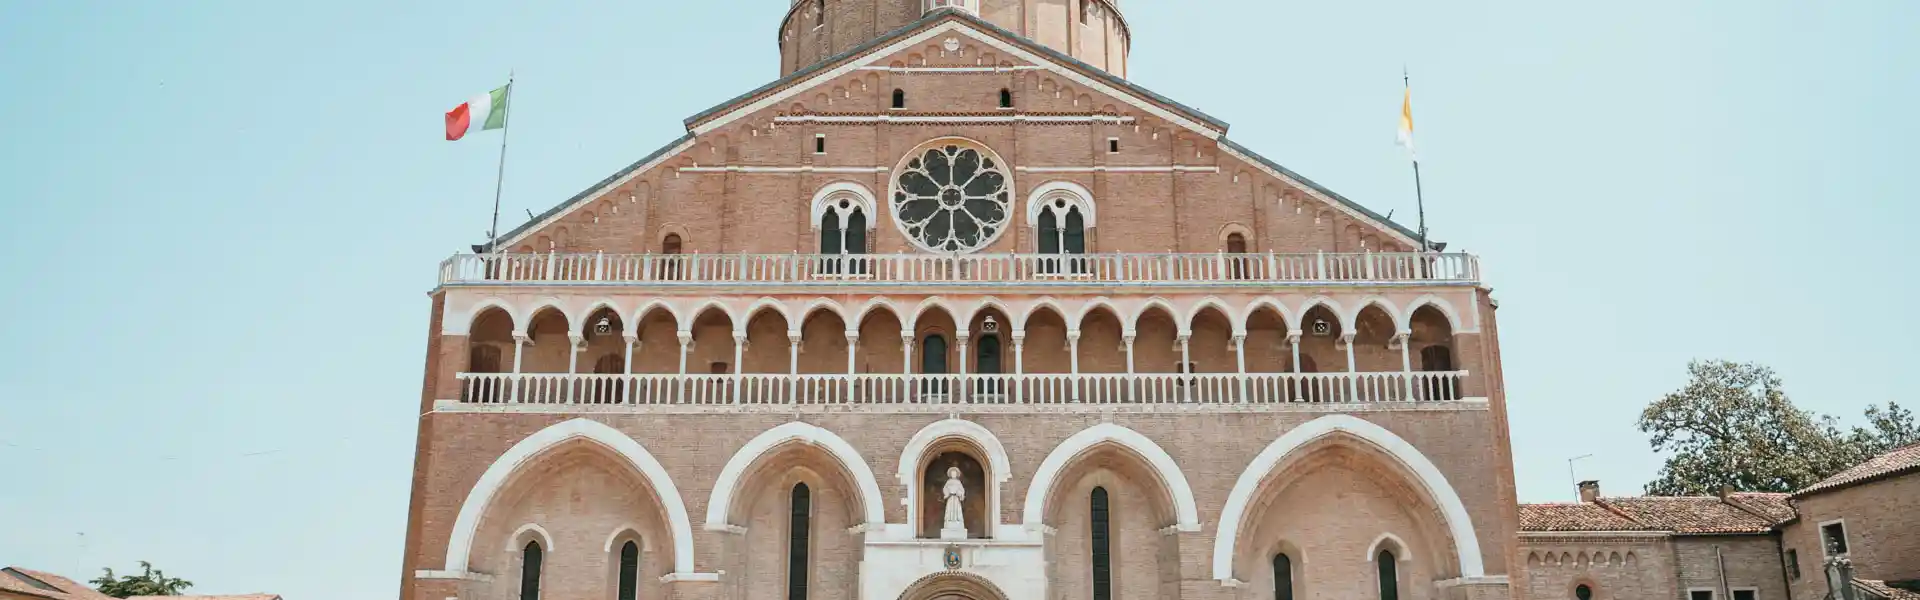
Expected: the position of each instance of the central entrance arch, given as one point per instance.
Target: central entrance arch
(953, 585)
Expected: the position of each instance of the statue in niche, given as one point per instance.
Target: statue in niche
(954, 492)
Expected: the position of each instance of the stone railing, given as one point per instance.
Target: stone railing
(871, 389)
(895, 269)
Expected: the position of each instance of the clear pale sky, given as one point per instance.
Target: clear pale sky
(223, 216)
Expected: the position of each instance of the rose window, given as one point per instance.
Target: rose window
(952, 198)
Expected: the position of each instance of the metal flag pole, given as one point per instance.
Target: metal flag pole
(500, 179)
(1419, 197)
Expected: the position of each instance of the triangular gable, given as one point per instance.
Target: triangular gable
(949, 21)
(935, 24)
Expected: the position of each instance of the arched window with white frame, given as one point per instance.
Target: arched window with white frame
(843, 219)
(1060, 214)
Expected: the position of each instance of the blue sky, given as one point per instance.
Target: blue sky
(223, 217)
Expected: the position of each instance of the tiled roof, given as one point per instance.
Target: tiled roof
(1898, 462)
(1775, 507)
(232, 597)
(1881, 589)
(38, 584)
(1702, 515)
(1694, 515)
(1574, 517)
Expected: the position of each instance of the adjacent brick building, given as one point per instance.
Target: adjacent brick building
(954, 236)
(1737, 546)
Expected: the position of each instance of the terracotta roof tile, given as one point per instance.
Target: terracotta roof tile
(1574, 517)
(39, 584)
(1691, 515)
(1881, 589)
(1900, 461)
(231, 597)
(1774, 507)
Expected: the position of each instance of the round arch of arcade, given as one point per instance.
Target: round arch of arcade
(582, 314)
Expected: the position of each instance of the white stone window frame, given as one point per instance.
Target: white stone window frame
(1712, 594)
(1059, 197)
(1826, 550)
(970, 6)
(854, 195)
(1734, 593)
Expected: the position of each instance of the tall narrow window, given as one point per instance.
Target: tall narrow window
(1049, 233)
(1006, 98)
(1793, 564)
(530, 572)
(933, 361)
(819, 13)
(799, 530)
(1389, 576)
(899, 98)
(832, 238)
(1102, 540)
(629, 572)
(1282, 577)
(1074, 239)
(856, 240)
(670, 265)
(1238, 265)
(820, 143)
(1438, 359)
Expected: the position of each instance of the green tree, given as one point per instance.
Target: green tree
(1733, 425)
(151, 582)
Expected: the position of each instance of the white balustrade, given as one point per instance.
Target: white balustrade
(1031, 389)
(1224, 269)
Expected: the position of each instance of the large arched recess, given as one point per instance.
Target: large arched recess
(735, 473)
(531, 449)
(1186, 513)
(1453, 512)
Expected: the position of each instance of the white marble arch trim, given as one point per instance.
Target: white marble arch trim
(727, 485)
(917, 446)
(1186, 511)
(546, 539)
(1459, 525)
(467, 525)
(846, 190)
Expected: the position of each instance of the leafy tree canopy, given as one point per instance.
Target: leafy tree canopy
(1733, 425)
(150, 582)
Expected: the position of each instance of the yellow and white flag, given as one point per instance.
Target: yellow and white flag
(1406, 121)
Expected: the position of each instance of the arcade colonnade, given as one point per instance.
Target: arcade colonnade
(826, 496)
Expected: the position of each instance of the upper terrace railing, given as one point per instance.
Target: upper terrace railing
(1031, 389)
(1190, 269)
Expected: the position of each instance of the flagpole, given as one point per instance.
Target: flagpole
(500, 178)
(1419, 197)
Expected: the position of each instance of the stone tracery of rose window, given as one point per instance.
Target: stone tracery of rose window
(952, 197)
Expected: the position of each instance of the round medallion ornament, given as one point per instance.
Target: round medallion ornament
(952, 196)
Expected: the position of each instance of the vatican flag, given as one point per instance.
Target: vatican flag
(1406, 121)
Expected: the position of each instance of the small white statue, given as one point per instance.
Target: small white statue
(955, 493)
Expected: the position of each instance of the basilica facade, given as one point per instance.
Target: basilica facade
(954, 310)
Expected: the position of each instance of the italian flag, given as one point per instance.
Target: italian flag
(483, 112)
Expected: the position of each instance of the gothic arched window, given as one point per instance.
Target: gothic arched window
(843, 231)
(1282, 577)
(670, 265)
(530, 572)
(1389, 576)
(1062, 227)
(799, 536)
(1238, 266)
(1102, 547)
(629, 572)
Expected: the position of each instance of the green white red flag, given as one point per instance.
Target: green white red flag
(483, 112)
